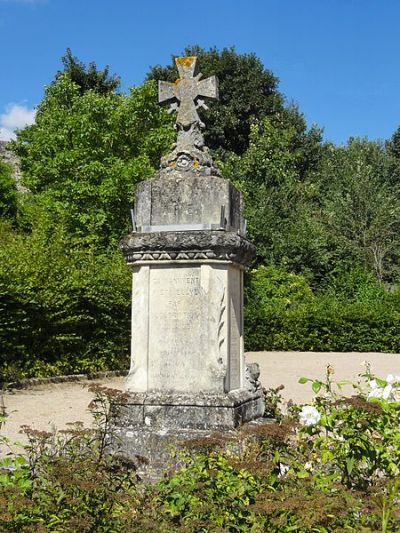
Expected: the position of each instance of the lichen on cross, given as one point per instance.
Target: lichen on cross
(187, 93)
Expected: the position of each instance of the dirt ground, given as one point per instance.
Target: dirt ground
(53, 406)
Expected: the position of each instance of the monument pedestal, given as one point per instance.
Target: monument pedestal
(188, 251)
(187, 307)
(188, 376)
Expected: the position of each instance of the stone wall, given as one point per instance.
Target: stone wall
(9, 157)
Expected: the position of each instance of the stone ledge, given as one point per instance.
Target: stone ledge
(188, 245)
(229, 399)
(201, 412)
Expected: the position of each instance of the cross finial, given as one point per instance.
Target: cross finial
(187, 93)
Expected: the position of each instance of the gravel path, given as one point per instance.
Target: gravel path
(52, 406)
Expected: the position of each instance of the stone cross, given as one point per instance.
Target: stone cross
(187, 93)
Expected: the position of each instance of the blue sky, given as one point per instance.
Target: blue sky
(338, 60)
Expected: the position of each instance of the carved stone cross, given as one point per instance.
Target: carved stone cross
(187, 93)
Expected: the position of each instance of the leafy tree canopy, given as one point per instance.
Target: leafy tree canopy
(85, 152)
(88, 77)
(8, 192)
(280, 195)
(361, 206)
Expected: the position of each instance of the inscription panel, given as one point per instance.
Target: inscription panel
(177, 336)
(189, 201)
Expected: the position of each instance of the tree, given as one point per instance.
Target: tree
(8, 192)
(392, 146)
(362, 206)
(85, 152)
(87, 77)
(281, 205)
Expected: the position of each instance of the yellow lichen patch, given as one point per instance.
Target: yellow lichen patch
(178, 81)
(185, 61)
(196, 163)
(173, 164)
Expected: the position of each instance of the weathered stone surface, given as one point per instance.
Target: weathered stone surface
(162, 411)
(151, 425)
(187, 333)
(154, 451)
(178, 200)
(188, 252)
(188, 246)
(9, 157)
(186, 95)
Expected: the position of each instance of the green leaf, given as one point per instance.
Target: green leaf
(349, 465)
(316, 386)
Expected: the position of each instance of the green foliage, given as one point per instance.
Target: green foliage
(280, 197)
(361, 206)
(357, 438)
(354, 314)
(63, 309)
(88, 78)
(337, 472)
(278, 288)
(84, 154)
(69, 481)
(8, 193)
(209, 490)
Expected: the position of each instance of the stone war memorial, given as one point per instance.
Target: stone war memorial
(188, 251)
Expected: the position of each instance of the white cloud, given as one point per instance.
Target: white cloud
(6, 135)
(15, 117)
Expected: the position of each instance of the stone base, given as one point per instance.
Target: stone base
(151, 425)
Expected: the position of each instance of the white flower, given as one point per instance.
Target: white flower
(392, 379)
(396, 395)
(283, 469)
(387, 392)
(373, 384)
(309, 415)
(375, 393)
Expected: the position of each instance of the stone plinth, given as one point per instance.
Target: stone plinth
(188, 251)
(161, 411)
(187, 323)
(152, 425)
(176, 200)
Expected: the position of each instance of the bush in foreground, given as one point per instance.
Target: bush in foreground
(330, 466)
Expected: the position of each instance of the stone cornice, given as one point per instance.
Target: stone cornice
(188, 245)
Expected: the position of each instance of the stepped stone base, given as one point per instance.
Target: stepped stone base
(150, 425)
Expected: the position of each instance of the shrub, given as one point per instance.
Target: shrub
(63, 309)
(353, 314)
(333, 469)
